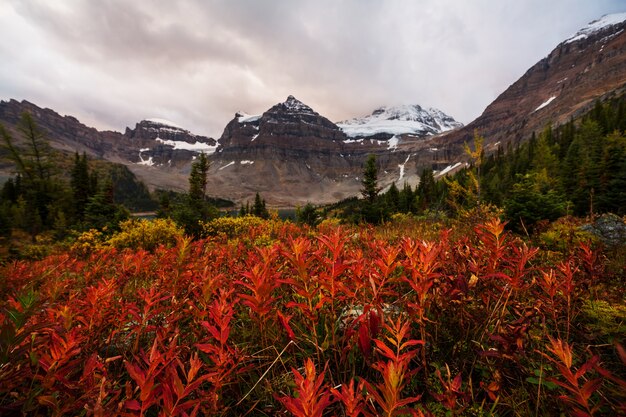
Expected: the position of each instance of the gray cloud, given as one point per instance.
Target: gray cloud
(113, 62)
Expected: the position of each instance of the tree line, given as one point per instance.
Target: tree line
(578, 168)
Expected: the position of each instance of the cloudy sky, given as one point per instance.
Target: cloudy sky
(112, 63)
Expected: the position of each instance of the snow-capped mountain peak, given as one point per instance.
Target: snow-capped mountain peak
(597, 25)
(399, 120)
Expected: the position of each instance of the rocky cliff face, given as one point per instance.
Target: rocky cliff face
(64, 132)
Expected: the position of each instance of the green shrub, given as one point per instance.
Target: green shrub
(565, 234)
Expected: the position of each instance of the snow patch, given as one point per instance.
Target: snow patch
(449, 168)
(353, 141)
(164, 122)
(544, 104)
(196, 147)
(254, 137)
(393, 143)
(246, 162)
(227, 165)
(147, 162)
(247, 118)
(401, 166)
(597, 25)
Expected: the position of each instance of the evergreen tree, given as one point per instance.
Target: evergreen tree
(405, 199)
(532, 199)
(101, 211)
(80, 183)
(370, 187)
(371, 209)
(426, 190)
(543, 157)
(11, 190)
(196, 208)
(198, 178)
(259, 208)
(307, 215)
(392, 198)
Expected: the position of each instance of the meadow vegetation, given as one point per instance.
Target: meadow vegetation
(419, 316)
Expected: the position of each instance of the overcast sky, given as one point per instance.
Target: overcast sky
(111, 63)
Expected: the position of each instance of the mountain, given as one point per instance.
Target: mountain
(167, 144)
(293, 155)
(157, 151)
(290, 154)
(586, 67)
(386, 122)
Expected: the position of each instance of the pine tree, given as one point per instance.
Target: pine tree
(405, 199)
(196, 209)
(543, 157)
(259, 208)
(80, 183)
(307, 215)
(102, 212)
(426, 189)
(392, 198)
(198, 178)
(532, 199)
(370, 187)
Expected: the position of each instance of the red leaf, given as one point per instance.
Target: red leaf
(132, 405)
(365, 341)
(284, 320)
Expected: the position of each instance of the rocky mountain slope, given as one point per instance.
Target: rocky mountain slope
(588, 66)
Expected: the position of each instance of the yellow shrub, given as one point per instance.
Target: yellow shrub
(87, 242)
(146, 234)
(328, 224)
(232, 226)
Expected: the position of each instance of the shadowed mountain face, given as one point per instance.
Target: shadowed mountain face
(293, 155)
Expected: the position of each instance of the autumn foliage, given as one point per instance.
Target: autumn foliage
(311, 322)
